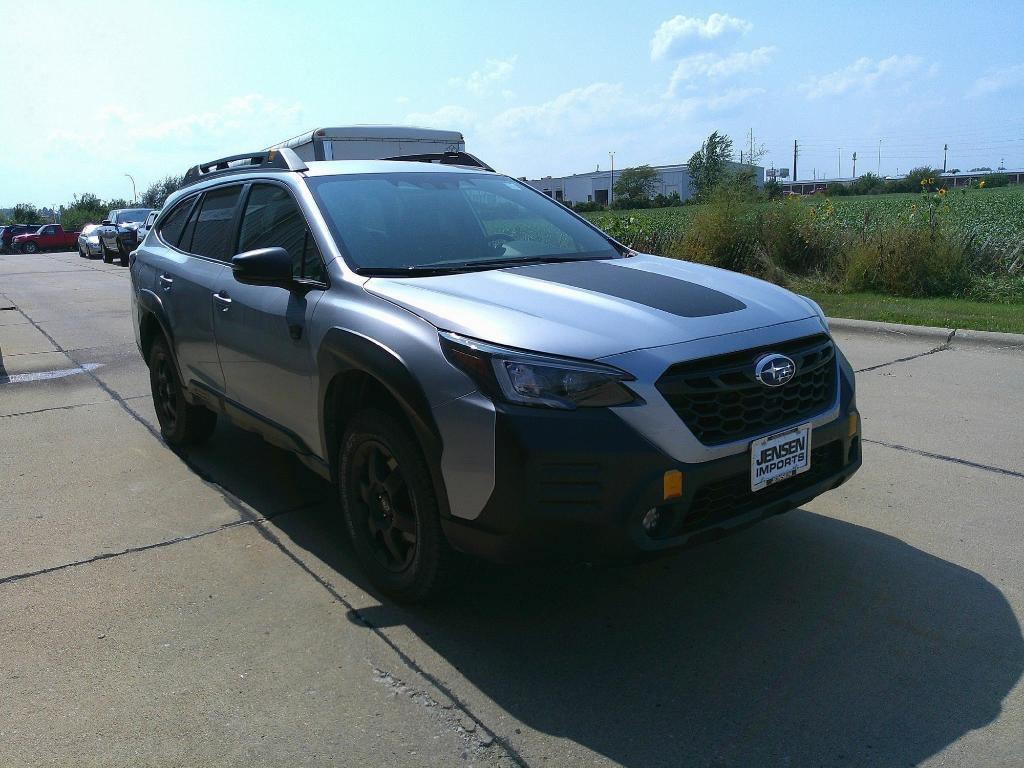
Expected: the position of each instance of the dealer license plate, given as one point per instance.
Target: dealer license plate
(778, 457)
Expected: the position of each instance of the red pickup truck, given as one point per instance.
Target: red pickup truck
(50, 237)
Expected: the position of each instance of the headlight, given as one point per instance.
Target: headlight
(538, 380)
(816, 308)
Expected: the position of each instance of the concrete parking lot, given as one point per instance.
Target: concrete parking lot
(204, 609)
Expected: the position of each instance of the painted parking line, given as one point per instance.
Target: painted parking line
(24, 378)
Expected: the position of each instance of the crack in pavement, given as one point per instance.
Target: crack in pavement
(120, 553)
(65, 407)
(941, 348)
(943, 457)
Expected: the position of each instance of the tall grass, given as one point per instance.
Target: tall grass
(792, 243)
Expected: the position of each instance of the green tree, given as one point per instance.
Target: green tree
(868, 184)
(636, 183)
(709, 165)
(25, 213)
(83, 209)
(157, 193)
(919, 179)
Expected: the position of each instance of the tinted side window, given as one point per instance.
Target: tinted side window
(170, 229)
(273, 219)
(213, 233)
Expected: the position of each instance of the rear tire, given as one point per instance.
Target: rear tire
(390, 508)
(181, 423)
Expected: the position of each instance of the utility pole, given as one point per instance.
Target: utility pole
(611, 179)
(855, 165)
(945, 150)
(839, 170)
(795, 152)
(879, 172)
(750, 157)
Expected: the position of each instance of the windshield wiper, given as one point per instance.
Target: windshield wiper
(516, 260)
(416, 270)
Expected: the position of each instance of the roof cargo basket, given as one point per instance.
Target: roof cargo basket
(282, 159)
(446, 158)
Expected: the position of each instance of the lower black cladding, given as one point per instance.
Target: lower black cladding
(575, 485)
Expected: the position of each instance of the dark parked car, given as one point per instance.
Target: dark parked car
(119, 233)
(10, 231)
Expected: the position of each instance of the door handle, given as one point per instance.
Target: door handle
(223, 300)
(166, 282)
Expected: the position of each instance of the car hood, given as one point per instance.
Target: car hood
(591, 309)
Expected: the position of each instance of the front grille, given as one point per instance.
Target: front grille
(720, 400)
(732, 496)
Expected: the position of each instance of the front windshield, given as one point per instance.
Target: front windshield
(405, 221)
(132, 216)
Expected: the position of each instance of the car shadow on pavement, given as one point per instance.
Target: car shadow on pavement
(802, 641)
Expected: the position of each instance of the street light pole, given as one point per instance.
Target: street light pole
(611, 180)
(839, 155)
(135, 195)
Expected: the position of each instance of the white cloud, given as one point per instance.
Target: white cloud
(716, 67)
(674, 36)
(999, 80)
(116, 129)
(866, 75)
(450, 117)
(480, 81)
(732, 98)
(577, 108)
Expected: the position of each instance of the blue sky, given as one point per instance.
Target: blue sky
(108, 88)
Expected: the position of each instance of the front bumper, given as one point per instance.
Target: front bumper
(576, 485)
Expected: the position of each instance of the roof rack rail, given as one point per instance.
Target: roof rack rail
(446, 158)
(283, 159)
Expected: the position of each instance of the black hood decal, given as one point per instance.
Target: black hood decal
(669, 294)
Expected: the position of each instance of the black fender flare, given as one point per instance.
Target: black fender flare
(343, 350)
(150, 303)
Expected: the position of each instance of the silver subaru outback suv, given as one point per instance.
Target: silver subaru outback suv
(479, 369)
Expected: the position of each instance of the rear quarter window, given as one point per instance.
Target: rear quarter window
(213, 235)
(173, 224)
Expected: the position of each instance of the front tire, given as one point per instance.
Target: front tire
(390, 508)
(30, 248)
(181, 423)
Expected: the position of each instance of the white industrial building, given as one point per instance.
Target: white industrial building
(594, 186)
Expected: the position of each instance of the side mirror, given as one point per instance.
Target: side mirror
(263, 266)
(105, 222)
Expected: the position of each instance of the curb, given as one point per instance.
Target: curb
(956, 337)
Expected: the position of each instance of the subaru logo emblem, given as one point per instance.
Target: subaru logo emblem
(774, 370)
